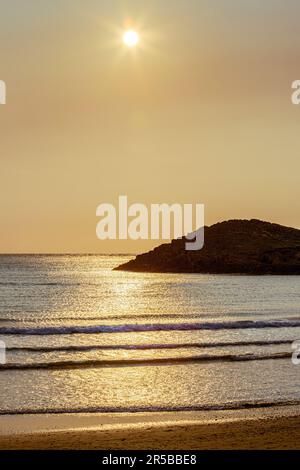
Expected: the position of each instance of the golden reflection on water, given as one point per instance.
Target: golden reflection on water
(62, 287)
(149, 387)
(68, 292)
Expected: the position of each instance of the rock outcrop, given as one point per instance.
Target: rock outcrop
(231, 247)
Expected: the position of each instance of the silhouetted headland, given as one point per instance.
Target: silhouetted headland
(231, 247)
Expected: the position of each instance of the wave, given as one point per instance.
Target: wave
(148, 316)
(144, 347)
(76, 329)
(33, 284)
(94, 363)
(240, 405)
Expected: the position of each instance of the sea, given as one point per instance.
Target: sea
(82, 338)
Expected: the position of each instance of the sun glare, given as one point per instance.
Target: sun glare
(131, 38)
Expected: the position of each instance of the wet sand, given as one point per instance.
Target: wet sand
(264, 428)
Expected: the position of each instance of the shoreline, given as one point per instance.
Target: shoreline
(262, 428)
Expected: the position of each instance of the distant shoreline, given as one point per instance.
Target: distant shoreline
(68, 254)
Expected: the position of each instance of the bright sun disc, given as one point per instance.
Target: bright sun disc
(131, 38)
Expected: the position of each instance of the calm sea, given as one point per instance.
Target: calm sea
(81, 337)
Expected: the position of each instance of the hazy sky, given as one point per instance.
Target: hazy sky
(201, 112)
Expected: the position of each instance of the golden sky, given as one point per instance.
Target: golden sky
(199, 112)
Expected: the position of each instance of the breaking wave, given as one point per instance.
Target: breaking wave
(74, 329)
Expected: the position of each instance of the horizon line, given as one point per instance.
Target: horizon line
(68, 254)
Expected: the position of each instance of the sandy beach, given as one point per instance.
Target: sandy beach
(265, 428)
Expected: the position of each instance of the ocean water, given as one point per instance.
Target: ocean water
(81, 337)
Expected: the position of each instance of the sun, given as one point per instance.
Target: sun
(131, 38)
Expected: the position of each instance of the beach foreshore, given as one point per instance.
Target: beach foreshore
(263, 428)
